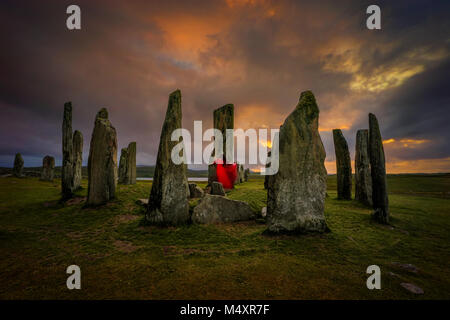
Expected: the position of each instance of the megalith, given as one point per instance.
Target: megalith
(246, 174)
(378, 172)
(48, 168)
(223, 119)
(168, 202)
(131, 163)
(18, 166)
(102, 162)
(296, 193)
(343, 166)
(123, 166)
(77, 159)
(363, 179)
(67, 153)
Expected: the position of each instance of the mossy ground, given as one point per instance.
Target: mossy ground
(120, 259)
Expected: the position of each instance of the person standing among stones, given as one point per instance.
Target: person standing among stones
(363, 179)
(77, 159)
(343, 166)
(168, 202)
(18, 166)
(378, 171)
(102, 163)
(48, 168)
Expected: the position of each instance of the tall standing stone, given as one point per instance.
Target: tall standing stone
(223, 119)
(267, 177)
(67, 150)
(127, 165)
(102, 163)
(77, 159)
(123, 166)
(131, 163)
(246, 174)
(18, 166)
(48, 168)
(343, 166)
(168, 202)
(363, 179)
(378, 172)
(296, 193)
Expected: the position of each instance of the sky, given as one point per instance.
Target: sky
(259, 55)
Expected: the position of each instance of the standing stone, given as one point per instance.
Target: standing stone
(67, 150)
(296, 193)
(102, 163)
(195, 191)
(246, 174)
(217, 189)
(239, 174)
(18, 166)
(378, 172)
(363, 180)
(267, 177)
(127, 165)
(223, 120)
(168, 202)
(77, 159)
(48, 168)
(131, 163)
(343, 166)
(123, 166)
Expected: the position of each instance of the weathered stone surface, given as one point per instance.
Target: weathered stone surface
(412, 288)
(246, 174)
(217, 189)
(195, 191)
(264, 212)
(123, 166)
(127, 165)
(48, 168)
(296, 193)
(343, 166)
(223, 119)
(267, 177)
(18, 166)
(142, 202)
(363, 179)
(67, 153)
(77, 159)
(239, 174)
(131, 163)
(212, 173)
(378, 172)
(217, 209)
(102, 163)
(168, 202)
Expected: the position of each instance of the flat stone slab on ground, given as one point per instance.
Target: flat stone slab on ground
(412, 288)
(218, 209)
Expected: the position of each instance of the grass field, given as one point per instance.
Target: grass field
(120, 259)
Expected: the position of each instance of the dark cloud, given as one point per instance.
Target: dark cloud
(258, 55)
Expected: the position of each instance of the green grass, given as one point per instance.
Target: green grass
(119, 258)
